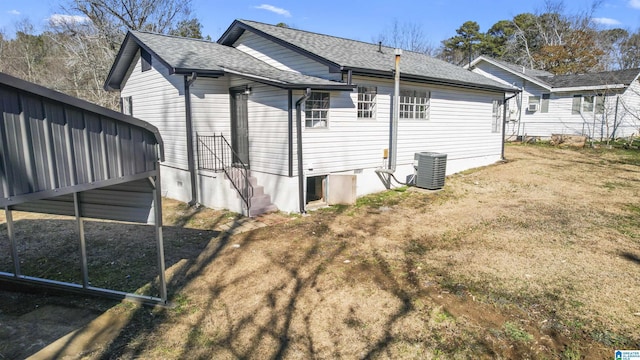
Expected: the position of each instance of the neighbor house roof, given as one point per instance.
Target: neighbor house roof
(342, 54)
(206, 58)
(572, 82)
(621, 78)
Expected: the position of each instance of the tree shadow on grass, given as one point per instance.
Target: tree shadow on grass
(634, 258)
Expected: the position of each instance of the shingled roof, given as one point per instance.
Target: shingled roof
(619, 77)
(599, 80)
(186, 55)
(342, 54)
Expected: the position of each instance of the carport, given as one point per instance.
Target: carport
(65, 156)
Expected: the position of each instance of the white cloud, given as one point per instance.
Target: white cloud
(284, 12)
(13, 12)
(61, 19)
(607, 21)
(634, 4)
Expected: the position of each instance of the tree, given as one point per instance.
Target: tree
(191, 28)
(631, 52)
(407, 36)
(114, 18)
(612, 42)
(494, 42)
(464, 43)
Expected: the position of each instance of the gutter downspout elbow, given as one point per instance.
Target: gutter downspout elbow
(301, 197)
(189, 133)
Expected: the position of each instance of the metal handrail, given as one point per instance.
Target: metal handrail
(216, 154)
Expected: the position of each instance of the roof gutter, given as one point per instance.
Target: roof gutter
(301, 197)
(429, 80)
(589, 88)
(191, 164)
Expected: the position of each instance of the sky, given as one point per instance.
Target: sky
(353, 19)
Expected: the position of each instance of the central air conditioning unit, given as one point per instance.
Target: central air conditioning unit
(533, 107)
(431, 169)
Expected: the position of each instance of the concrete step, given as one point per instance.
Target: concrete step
(259, 211)
(260, 201)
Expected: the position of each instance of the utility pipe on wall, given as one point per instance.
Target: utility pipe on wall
(301, 197)
(190, 155)
(393, 126)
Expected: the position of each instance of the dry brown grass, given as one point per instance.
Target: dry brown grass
(537, 257)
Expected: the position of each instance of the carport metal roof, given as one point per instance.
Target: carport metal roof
(62, 155)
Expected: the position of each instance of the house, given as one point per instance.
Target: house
(272, 117)
(602, 105)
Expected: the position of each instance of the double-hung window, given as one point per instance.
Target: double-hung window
(415, 104)
(367, 102)
(497, 116)
(126, 105)
(316, 110)
(587, 103)
(600, 104)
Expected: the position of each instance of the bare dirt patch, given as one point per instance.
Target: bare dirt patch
(536, 257)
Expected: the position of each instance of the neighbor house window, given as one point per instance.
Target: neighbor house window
(587, 103)
(534, 100)
(544, 105)
(367, 102)
(126, 105)
(600, 104)
(146, 60)
(575, 106)
(497, 116)
(316, 109)
(415, 104)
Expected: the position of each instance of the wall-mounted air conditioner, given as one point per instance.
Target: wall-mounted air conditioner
(533, 107)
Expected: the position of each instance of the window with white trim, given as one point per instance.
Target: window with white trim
(544, 104)
(415, 104)
(497, 116)
(600, 104)
(367, 102)
(316, 110)
(126, 105)
(587, 103)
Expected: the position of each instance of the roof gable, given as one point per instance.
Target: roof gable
(206, 58)
(531, 75)
(360, 57)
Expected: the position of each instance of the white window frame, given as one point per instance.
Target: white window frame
(496, 115)
(126, 105)
(316, 110)
(415, 104)
(587, 105)
(367, 96)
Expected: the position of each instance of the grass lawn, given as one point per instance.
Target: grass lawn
(537, 257)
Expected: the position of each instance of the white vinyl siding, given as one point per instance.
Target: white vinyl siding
(457, 118)
(281, 57)
(158, 98)
(565, 112)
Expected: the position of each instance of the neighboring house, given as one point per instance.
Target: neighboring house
(603, 105)
(308, 116)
